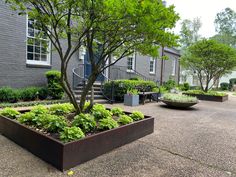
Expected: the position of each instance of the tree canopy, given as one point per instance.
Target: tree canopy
(209, 59)
(225, 25)
(103, 27)
(189, 33)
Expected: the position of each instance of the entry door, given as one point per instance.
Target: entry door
(88, 68)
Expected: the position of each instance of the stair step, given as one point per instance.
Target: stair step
(81, 88)
(98, 101)
(96, 92)
(95, 97)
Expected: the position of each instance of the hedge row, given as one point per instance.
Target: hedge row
(11, 95)
(122, 86)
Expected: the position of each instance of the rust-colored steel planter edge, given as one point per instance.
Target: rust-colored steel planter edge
(68, 155)
(209, 97)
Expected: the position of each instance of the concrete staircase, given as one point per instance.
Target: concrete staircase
(98, 96)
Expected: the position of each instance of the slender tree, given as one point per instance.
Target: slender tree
(225, 26)
(103, 27)
(189, 33)
(209, 59)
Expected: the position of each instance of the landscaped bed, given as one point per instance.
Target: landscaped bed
(66, 140)
(178, 100)
(208, 96)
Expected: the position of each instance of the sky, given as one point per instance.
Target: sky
(205, 9)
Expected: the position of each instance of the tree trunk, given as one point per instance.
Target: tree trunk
(67, 88)
(86, 89)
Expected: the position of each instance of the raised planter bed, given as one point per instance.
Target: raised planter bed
(209, 97)
(64, 156)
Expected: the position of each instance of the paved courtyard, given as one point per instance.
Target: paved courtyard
(197, 142)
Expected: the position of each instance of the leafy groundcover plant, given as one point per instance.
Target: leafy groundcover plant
(179, 98)
(210, 92)
(60, 121)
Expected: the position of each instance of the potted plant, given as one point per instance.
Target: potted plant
(131, 98)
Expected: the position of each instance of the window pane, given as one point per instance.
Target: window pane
(31, 32)
(30, 48)
(37, 49)
(37, 57)
(30, 56)
(37, 42)
(44, 50)
(30, 24)
(43, 57)
(30, 41)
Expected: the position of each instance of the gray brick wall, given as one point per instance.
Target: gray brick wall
(142, 65)
(13, 69)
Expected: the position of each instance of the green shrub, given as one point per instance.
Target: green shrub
(29, 94)
(84, 121)
(132, 92)
(179, 98)
(71, 133)
(10, 113)
(224, 86)
(232, 82)
(41, 120)
(43, 93)
(122, 86)
(61, 109)
(135, 78)
(124, 119)
(137, 115)
(55, 89)
(200, 92)
(117, 111)
(27, 118)
(39, 109)
(107, 124)
(55, 123)
(86, 105)
(8, 94)
(184, 87)
(170, 84)
(99, 112)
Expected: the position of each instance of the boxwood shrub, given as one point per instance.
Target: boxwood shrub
(55, 90)
(122, 86)
(9, 95)
(224, 86)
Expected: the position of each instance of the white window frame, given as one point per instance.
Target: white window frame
(153, 65)
(37, 62)
(133, 63)
(173, 67)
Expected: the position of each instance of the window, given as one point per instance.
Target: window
(130, 63)
(173, 66)
(152, 68)
(38, 45)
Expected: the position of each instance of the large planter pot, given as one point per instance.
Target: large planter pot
(209, 97)
(131, 100)
(178, 104)
(64, 156)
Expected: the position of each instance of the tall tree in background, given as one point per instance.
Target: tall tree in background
(103, 27)
(189, 33)
(225, 25)
(209, 59)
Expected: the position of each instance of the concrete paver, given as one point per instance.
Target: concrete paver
(197, 142)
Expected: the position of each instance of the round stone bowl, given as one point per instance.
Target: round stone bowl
(178, 104)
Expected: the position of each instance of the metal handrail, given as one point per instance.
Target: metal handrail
(78, 79)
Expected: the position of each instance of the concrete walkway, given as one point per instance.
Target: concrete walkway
(197, 142)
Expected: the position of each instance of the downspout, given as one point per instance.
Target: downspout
(178, 71)
(162, 65)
